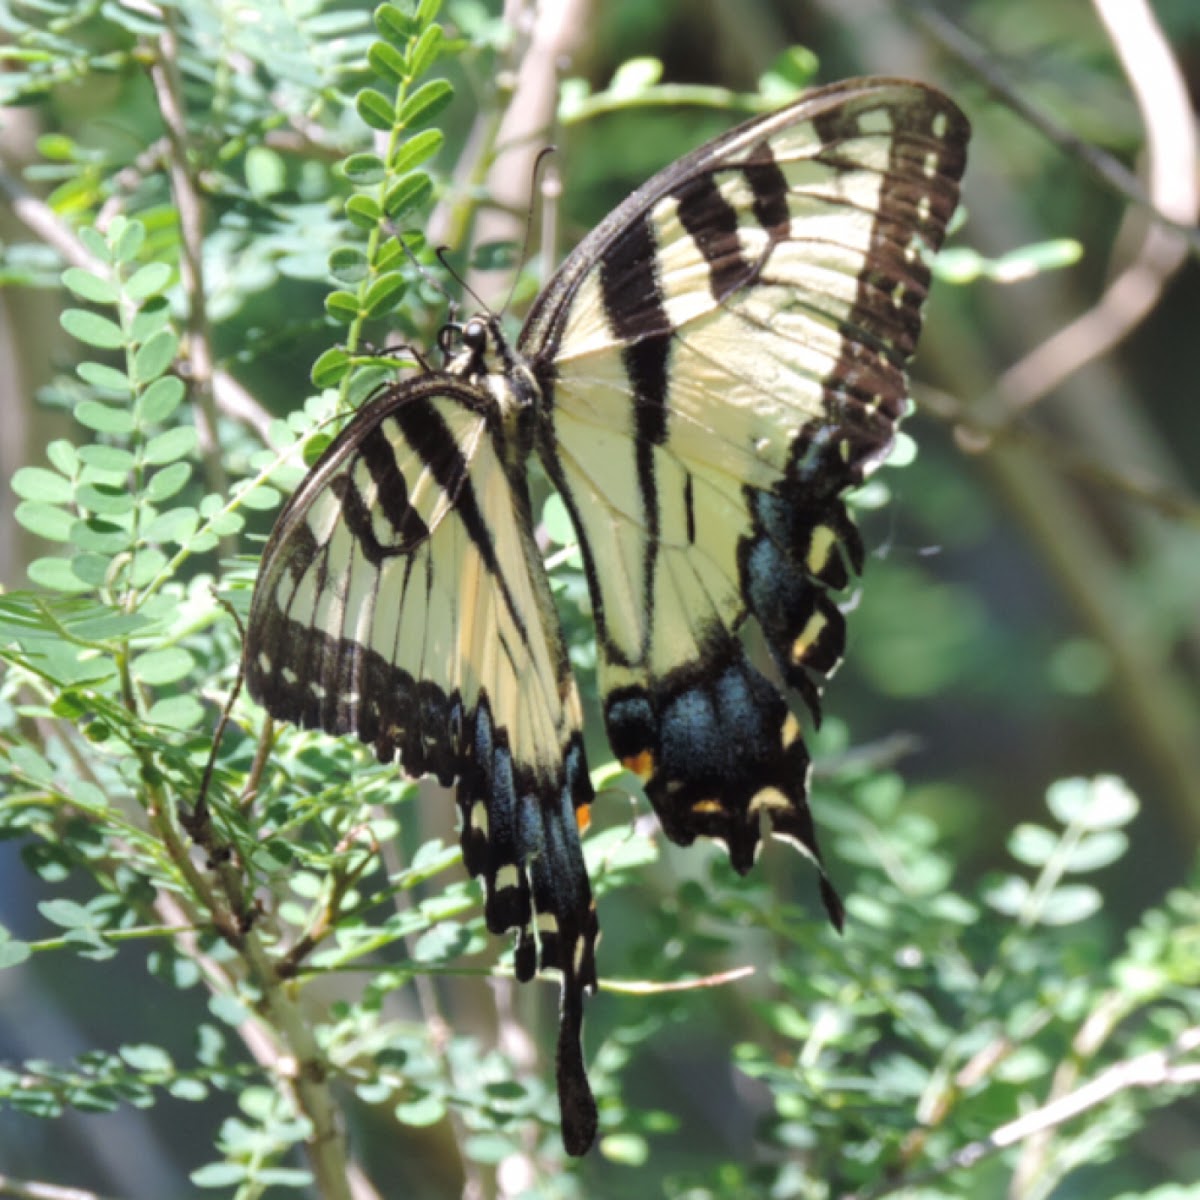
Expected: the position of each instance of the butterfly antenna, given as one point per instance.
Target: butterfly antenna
(441, 253)
(428, 276)
(543, 155)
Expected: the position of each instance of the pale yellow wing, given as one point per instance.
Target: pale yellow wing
(722, 358)
(402, 598)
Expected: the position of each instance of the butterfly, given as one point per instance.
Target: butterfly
(703, 379)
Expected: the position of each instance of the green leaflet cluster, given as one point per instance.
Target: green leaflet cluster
(387, 185)
(116, 503)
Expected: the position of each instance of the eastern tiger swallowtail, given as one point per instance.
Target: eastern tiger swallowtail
(704, 377)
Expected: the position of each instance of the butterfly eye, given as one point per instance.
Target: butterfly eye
(475, 335)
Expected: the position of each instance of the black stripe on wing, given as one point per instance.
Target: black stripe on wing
(628, 271)
(713, 222)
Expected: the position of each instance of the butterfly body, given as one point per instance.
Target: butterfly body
(708, 373)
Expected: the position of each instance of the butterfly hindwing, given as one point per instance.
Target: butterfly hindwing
(402, 599)
(722, 359)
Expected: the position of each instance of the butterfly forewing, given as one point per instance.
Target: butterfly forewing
(733, 338)
(402, 598)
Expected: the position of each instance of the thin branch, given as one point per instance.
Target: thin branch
(168, 90)
(648, 988)
(40, 219)
(308, 1073)
(1157, 1068)
(253, 1032)
(1096, 1029)
(235, 401)
(550, 31)
(299, 1063)
(981, 62)
(1162, 98)
(151, 161)
(24, 1189)
(436, 1023)
(976, 432)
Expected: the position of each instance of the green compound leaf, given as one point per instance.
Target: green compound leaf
(411, 192)
(426, 51)
(395, 24)
(349, 265)
(128, 240)
(62, 454)
(364, 170)
(92, 329)
(103, 538)
(160, 400)
(384, 294)
(330, 368)
(105, 499)
(168, 482)
(363, 212)
(427, 1111)
(158, 667)
(170, 446)
(56, 575)
(388, 62)
(38, 483)
(104, 378)
(12, 952)
(375, 110)
(149, 319)
(417, 149)
(95, 243)
(111, 460)
(1070, 904)
(45, 520)
(103, 418)
(342, 306)
(148, 281)
(260, 498)
(67, 914)
(147, 1059)
(155, 356)
(87, 286)
(219, 1175)
(426, 11)
(425, 104)
(175, 525)
(266, 174)
(1102, 803)
(179, 712)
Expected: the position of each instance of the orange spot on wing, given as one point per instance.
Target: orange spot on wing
(641, 764)
(707, 806)
(583, 817)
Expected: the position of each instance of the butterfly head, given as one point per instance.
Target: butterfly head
(478, 352)
(464, 347)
